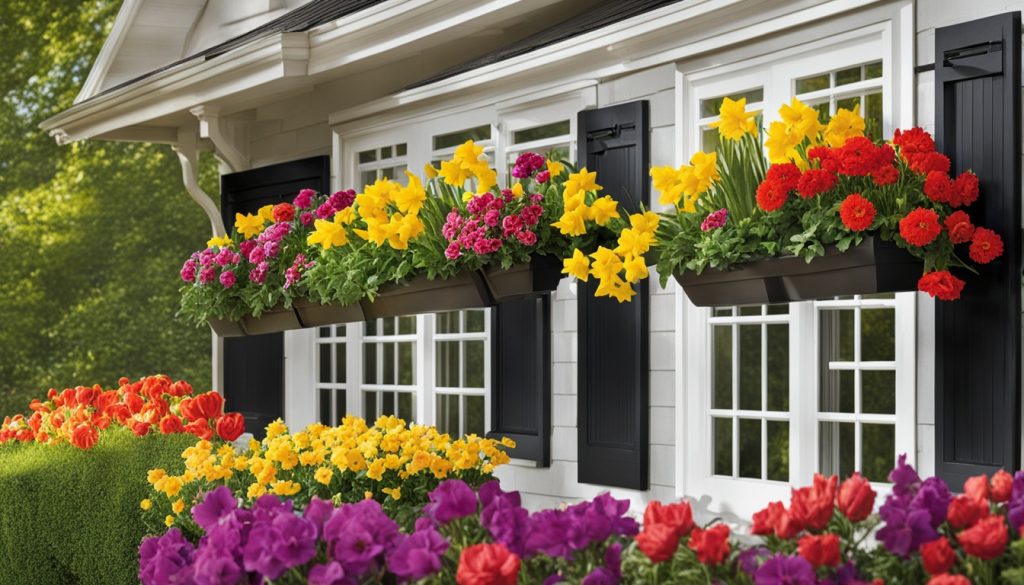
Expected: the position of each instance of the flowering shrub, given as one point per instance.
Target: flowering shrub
(394, 463)
(462, 537)
(155, 403)
(827, 184)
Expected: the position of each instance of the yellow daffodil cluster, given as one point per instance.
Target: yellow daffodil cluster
(468, 162)
(799, 125)
(351, 461)
(734, 120)
(391, 212)
(577, 211)
(682, 187)
(619, 268)
(224, 241)
(330, 233)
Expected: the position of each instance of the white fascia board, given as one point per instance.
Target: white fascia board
(632, 30)
(98, 73)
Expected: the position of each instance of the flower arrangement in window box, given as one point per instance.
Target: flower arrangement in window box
(829, 211)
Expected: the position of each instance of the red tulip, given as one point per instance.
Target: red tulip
(230, 426)
(856, 498)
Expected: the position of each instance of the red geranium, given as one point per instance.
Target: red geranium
(856, 498)
(938, 187)
(937, 556)
(658, 541)
(787, 175)
(959, 227)
(986, 246)
(711, 545)
(284, 212)
(941, 285)
(1001, 486)
(677, 516)
(856, 212)
(825, 157)
(813, 506)
(230, 426)
(966, 188)
(987, 539)
(913, 141)
(487, 564)
(771, 195)
(885, 175)
(920, 227)
(964, 511)
(859, 156)
(815, 182)
(820, 550)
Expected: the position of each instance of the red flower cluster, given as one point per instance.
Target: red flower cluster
(812, 507)
(918, 150)
(920, 227)
(856, 212)
(778, 182)
(77, 415)
(487, 564)
(711, 545)
(663, 527)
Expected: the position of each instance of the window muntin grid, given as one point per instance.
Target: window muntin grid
(845, 88)
(462, 371)
(708, 112)
(332, 380)
(389, 367)
(552, 140)
(385, 162)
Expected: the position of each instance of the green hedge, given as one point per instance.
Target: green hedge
(72, 516)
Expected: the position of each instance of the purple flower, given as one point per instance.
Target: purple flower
(279, 542)
(785, 570)
(418, 555)
(904, 478)
(304, 199)
(1016, 505)
(227, 278)
(451, 500)
(188, 271)
(216, 566)
(330, 574)
(357, 534)
(933, 496)
(905, 529)
(317, 512)
(715, 220)
(750, 559)
(600, 576)
(216, 505)
(166, 559)
(272, 248)
(548, 534)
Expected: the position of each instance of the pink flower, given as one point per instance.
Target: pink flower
(491, 217)
(511, 224)
(527, 238)
(451, 225)
(246, 247)
(257, 255)
(325, 211)
(227, 278)
(188, 271)
(272, 248)
(206, 275)
(543, 177)
(259, 274)
(342, 199)
(304, 199)
(531, 214)
(715, 220)
(306, 218)
(453, 251)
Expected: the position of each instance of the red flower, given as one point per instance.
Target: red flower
(711, 545)
(986, 246)
(171, 424)
(487, 564)
(658, 541)
(913, 141)
(200, 429)
(1001, 486)
(84, 436)
(284, 212)
(787, 175)
(859, 156)
(820, 550)
(826, 157)
(85, 396)
(966, 188)
(189, 409)
(766, 521)
(920, 227)
(856, 498)
(771, 195)
(885, 175)
(815, 182)
(856, 212)
(141, 429)
(986, 540)
(937, 556)
(941, 285)
(678, 516)
(977, 487)
(949, 580)
(230, 426)
(938, 187)
(965, 511)
(813, 506)
(210, 405)
(959, 227)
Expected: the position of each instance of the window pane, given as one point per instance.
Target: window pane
(407, 325)
(873, 70)
(750, 367)
(325, 407)
(389, 364)
(723, 446)
(455, 138)
(387, 403)
(723, 312)
(371, 328)
(475, 415)
(325, 362)
(709, 139)
(405, 364)
(339, 330)
(878, 335)
(778, 450)
(473, 366)
(751, 311)
(540, 132)
(448, 414)
(340, 405)
(836, 449)
(814, 83)
(339, 363)
(849, 103)
(385, 152)
(780, 309)
(387, 173)
(836, 336)
(448, 364)
(851, 75)
(370, 363)
(872, 113)
(878, 451)
(709, 107)
(406, 409)
(447, 322)
(750, 448)
(400, 149)
(324, 332)
(368, 177)
(475, 321)
(388, 326)
(837, 393)
(778, 367)
(722, 367)
(824, 111)
(370, 406)
(367, 156)
(878, 391)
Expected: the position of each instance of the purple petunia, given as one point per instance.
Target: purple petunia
(358, 534)
(785, 570)
(451, 500)
(166, 559)
(418, 555)
(216, 505)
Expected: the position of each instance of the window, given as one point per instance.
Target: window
(444, 145)
(860, 85)
(331, 384)
(386, 162)
(389, 368)
(709, 113)
(553, 140)
(462, 371)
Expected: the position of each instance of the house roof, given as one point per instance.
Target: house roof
(606, 12)
(303, 18)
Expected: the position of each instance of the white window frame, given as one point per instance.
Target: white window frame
(776, 71)
(395, 161)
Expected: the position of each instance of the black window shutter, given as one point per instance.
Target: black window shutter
(613, 414)
(254, 366)
(521, 376)
(977, 345)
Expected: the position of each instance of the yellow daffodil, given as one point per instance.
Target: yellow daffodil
(555, 168)
(467, 195)
(410, 198)
(845, 124)
(734, 120)
(705, 170)
(486, 178)
(603, 209)
(578, 266)
(468, 152)
(267, 213)
(345, 216)
(606, 263)
(782, 143)
(621, 291)
(517, 189)
(633, 242)
(801, 120)
(572, 223)
(248, 225)
(328, 234)
(635, 267)
(146, 504)
(219, 242)
(585, 180)
(453, 173)
(646, 222)
(429, 170)
(323, 475)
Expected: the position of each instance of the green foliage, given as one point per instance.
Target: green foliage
(92, 233)
(72, 516)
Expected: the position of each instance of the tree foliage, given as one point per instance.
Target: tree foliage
(91, 234)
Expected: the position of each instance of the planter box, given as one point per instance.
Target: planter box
(875, 266)
(540, 275)
(316, 315)
(227, 328)
(421, 295)
(271, 321)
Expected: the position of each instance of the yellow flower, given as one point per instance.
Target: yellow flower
(178, 506)
(801, 120)
(169, 521)
(171, 486)
(621, 291)
(633, 242)
(255, 490)
(410, 198)
(555, 168)
(286, 488)
(345, 216)
(429, 171)
(510, 443)
(705, 170)
(486, 177)
(603, 210)
(453, 173)
(323, 475)
(155, 475)
(606, 263)
(845, 124)
(646, 222)
(395, 493)
(663, 178)
(276, 429)
(146, 504)
(782, 143)
(466, 196)
(585, 180)
(636, 268)
(572, 223)
(468, 152)
(367, 495)
(734, 120)
(517, 189)
(376, 470)
(219, 241)
(328, 234)
(267, 213)
(578, 265)
(248, 225)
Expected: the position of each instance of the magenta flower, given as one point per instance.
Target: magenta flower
(527, 238)
(207, 275)
(418, 555)
(216, 505)
(715, 220)
(331, 573)
(246, 247)
(259, 274)
(306, 218)
(325, 211)
(188, 271)
(543, 176)
(272, 248)
(166, 559)
(453, 251)
(304, 199)
(785, 570)
(451, 500)
(342, 199)
(227, 279)
(257, 255)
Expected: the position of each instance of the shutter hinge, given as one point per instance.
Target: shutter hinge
(612, 132)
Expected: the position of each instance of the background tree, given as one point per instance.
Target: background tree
(91, 234)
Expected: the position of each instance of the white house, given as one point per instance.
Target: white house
(730, 406)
